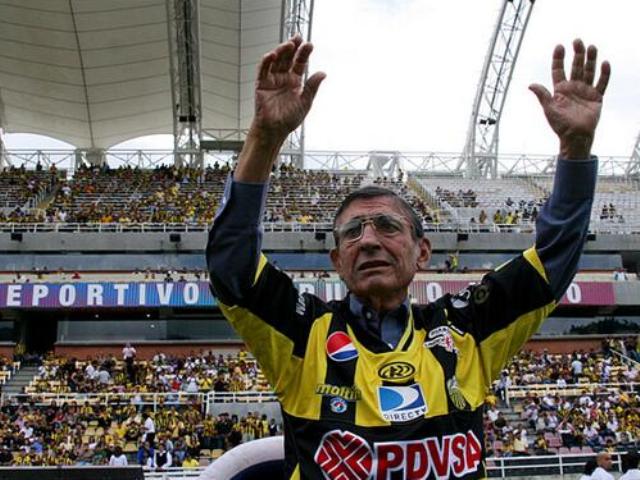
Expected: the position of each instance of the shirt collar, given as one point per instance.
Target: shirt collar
(358, 308)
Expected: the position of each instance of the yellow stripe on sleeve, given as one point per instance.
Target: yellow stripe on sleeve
(262, 262)
(498, 348)
(531, 254)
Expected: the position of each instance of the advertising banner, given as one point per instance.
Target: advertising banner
(197, 294)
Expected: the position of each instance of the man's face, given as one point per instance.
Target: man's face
(379, 264)
(605, 462)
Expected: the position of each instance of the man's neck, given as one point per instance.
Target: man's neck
(382, 304)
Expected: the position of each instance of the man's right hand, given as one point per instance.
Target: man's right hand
(281, 101)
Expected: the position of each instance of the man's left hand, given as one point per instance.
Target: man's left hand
(574, 108)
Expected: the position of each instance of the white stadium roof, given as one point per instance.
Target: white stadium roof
(95, 73)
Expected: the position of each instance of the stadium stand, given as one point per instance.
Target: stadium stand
(509, 201)
(171, 195)
(21, 190)
(193, 374)
(77, 433)
(555, 406)
(576, 403)
(617, 199)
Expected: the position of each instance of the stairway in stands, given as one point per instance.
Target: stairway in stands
(21, 379)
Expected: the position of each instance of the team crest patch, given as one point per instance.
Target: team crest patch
(461, 299)
(455, 394)
(481, 294)
(338, 405)
(441, 336)
(340, 348)
(401, 404)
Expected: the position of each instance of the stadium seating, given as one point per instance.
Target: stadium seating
(185, 195)
(197, 374)
(21, 190)
(169, 195)
(73, 424)
(553, 410)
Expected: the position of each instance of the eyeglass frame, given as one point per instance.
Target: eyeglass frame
(369, 219)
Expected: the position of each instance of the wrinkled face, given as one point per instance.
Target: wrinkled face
(382, 261)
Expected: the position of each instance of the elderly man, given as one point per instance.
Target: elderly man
(372, 386)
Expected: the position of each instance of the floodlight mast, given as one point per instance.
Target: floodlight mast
(480, 155)
(3, 160)
(634, 161)
(184, 57)
(297, 16)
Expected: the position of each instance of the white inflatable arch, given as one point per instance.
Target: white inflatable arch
(258, 459)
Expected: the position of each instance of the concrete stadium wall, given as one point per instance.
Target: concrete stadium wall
(270, 409)
(7, 349)
(564, 344)
(144, 351)
(282, 241)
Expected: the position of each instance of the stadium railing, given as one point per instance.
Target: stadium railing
(173, 473)
(503, 467)
(594, 227)
(154, 400)
(573, 389)
(137, 398)
(626, 358)
(543, 465)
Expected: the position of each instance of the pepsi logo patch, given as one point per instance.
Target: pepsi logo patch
(340, 348)
(401, 404)
(343, 455)
(338, 405)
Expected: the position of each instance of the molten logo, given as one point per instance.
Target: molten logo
(348, 393)
(396, 371)
(344, 456)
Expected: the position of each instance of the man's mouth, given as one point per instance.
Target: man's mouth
(371, 264)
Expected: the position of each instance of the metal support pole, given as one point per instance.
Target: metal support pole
(184, 59)
(634, 161)
(297, 16)
(480, 155)
(3, 160)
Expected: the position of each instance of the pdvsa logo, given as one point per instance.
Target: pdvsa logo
(401, 404)
(396, 371)
(340, 348)
(344, 456)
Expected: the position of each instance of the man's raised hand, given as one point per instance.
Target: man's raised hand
(281, 100)
(574, 108)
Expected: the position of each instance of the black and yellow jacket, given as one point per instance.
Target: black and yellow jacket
(354, 409)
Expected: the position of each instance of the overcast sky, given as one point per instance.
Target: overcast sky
(402, 74)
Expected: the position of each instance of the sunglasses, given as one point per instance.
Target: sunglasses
(385, 224)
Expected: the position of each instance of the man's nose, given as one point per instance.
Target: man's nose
(369, 235)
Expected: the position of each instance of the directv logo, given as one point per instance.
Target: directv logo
(401, 404)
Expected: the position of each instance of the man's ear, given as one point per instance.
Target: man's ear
(424, 253)
(334, 254)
